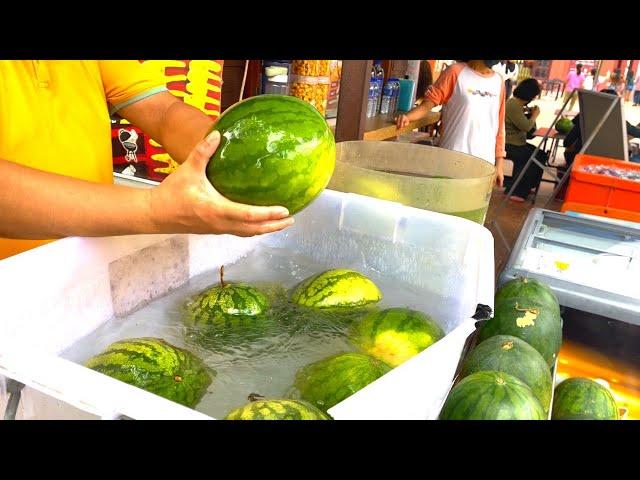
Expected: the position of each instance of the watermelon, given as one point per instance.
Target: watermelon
(537, 324)
(395, 335)
(226, 304)
(492, 395)
(508, 354)
(564, 125)
(156, 366)
(277, 410)
(337, 288)
(583, 399)
(529, 288)
(329, 381)
(274, 150)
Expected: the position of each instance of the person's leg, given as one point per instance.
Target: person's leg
(572, 102)
(520, 155)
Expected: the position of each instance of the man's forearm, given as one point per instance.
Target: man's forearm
(40, 205)
(178, 127)
(183, 127)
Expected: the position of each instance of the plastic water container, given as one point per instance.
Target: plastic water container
(406, 95)
(82, 282)
(420, 176)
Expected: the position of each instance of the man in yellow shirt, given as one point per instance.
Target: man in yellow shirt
(56, 177)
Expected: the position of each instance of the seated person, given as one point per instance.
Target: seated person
(517, 127)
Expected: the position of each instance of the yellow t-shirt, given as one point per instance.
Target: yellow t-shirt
(54, 116)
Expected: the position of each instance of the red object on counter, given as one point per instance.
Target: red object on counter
(603, 195)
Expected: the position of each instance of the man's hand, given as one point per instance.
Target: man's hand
(187, 202)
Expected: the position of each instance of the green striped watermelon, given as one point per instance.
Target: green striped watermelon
(274, 150)
(528, 288)
(154, 365)
(491, 395)
(328, 382)
(277, 410)
(536, 323)
(337, 288)
(583, 399)
(226, 304)
(395, 335)
(508, 354)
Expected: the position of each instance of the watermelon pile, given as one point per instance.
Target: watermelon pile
(507, 376)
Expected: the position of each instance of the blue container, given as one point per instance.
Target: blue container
(405, 98)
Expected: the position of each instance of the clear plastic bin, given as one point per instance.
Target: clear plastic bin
(56, 294)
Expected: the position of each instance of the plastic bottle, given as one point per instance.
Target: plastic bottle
(371, 102)
(379, 76)
(395, 92)
(387, 96)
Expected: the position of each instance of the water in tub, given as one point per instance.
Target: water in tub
(261, 363)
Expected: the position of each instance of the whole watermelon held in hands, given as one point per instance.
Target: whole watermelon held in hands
(274, 150)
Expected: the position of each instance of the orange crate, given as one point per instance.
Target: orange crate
(603, 195)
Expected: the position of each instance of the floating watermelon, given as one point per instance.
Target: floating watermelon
(537, 324)
(274, 150)
(583, 399)
(508, 354)
(277, 410)
(154, 365)
(491, 395)
(329, 381)
(395, 335)
(337, 288)
(226, 304)
(528, 288)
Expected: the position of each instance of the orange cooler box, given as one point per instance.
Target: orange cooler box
(603, 195)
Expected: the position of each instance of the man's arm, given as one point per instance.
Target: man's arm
(178, 127)
(41, 205)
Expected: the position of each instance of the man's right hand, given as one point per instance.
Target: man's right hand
(402, 121)
(186, 202)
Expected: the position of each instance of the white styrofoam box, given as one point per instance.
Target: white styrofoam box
(54, 295)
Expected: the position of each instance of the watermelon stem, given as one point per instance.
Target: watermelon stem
(254, 397)
(222, 275)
